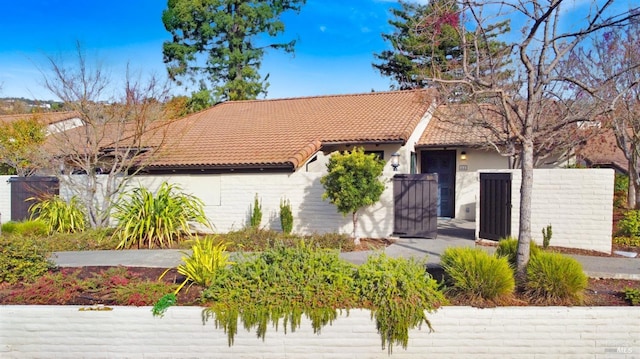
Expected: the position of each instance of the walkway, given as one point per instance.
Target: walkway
(451, 233)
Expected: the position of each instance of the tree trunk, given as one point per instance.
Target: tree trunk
(524, 234)
(354, 219)
(633, 197)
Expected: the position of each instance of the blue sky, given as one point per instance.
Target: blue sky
(336, 42)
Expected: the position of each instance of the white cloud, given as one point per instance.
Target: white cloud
(323, 28)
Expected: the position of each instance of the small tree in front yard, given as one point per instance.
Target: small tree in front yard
(353, 182)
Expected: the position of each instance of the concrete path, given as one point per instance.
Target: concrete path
(451, 233)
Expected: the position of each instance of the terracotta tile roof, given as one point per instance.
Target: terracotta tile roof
(602, 151)
(458, 125)
(285, 133)
(47, 118)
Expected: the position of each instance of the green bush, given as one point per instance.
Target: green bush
(473, 274)
(553, 278)
(620, 189)
(508, 248)
(286, 216)
(256, 213)
(629, 225)
(31, 228)
(10, 227)
(400, 291)
(627, 241)
(547, 233)
(206, 259)
(22, 259)
(632, 295)
(152, 220)
(59, 215)
(281, 283)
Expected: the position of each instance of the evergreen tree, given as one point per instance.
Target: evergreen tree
(218, 39)
(428, 40)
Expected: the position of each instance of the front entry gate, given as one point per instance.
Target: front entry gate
(415, 199)
(26, 191)
(495, 205)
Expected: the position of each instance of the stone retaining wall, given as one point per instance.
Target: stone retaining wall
(460, 332)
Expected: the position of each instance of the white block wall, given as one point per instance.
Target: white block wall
(460, 332)
(578, 203)
(228, 199)
(5, 199)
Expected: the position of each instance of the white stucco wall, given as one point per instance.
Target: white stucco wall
(467, 180)
(460, 332)
(5, 199)
(578, 203)
(228, 197)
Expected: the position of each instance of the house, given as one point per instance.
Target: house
(55, 121)
(278, 150)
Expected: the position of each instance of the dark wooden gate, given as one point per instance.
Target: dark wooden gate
(415, 200)
(495, 205)
(23, 188)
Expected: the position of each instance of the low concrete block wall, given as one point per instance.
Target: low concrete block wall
(460, 332)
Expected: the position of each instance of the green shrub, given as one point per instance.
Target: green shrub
(22, 259)
(632, 295)
(400, 291)
(629, 225)
(206, 259)
(256, 213)
(152, 220)
(547, 233)
(508, 248)
(281, 283)
(31, 228)
(627, 241)
(620, 189)
(10, 227)
(553, 278)
(286, 216)
(59, 215)
(474, 274)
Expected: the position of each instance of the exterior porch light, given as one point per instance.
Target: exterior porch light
(395, 161)
(463, 155)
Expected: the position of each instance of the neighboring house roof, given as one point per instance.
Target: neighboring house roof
(48, 118)
(603, 151)
(458, 125)
(285, 133)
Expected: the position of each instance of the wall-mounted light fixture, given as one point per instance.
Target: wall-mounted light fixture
(395, 161)
(463, 155)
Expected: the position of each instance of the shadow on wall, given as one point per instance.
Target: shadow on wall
(315, 215)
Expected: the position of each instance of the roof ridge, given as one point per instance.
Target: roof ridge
(373, 93)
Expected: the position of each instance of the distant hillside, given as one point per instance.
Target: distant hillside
(14, 105)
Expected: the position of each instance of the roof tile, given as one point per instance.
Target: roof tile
(286, 132)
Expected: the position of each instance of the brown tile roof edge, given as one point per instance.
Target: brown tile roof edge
(305, 153)
(47, 117)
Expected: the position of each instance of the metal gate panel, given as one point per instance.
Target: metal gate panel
(495, 205)
(23, 188)
(415, 205)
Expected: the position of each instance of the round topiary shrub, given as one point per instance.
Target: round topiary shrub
(475, 275)
(553, 278)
